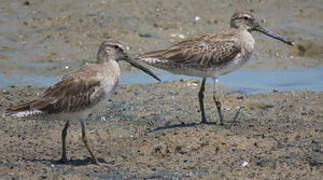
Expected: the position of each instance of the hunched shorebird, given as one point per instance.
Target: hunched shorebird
(79, 92)
(211, 55)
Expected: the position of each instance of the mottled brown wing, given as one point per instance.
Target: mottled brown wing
(20, 107)
(68, 95)
(204, 51)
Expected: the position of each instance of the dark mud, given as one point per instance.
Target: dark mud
(152, 131)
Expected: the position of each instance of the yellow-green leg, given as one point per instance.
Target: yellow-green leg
(64, 134)
(201, 97)
(87, 146)
(216, 98)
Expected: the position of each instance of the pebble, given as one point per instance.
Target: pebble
(181, 36)
(5, 92)
(239, 97)
(189, 174)
(103, 118)
(26, 3)
(263, 20)
(145, 35)
(244, 164)
(212, 21)
(315, 141)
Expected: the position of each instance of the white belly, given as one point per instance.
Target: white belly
(212, 72)
(235, 64)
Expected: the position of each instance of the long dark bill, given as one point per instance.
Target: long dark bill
(139, 66)
(257, 27)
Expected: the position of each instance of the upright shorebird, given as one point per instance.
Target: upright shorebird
(211, 55)
(79, 92)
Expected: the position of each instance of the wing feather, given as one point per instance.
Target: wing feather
(76, 91)
(209, 49)
(68, 95)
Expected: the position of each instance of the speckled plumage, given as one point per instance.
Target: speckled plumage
(211, 54)
(204, 56)
(80, 91)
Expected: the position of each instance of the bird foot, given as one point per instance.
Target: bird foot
(96, 162)
(221, 123)
(63, 160)
(203, 121)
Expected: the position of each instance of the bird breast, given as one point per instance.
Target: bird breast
(247, 45)
(110, 77)
(247, 41)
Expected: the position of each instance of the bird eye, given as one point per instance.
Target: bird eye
(120, 48)
(245, 17)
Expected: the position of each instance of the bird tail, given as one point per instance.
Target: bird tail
(23, 110)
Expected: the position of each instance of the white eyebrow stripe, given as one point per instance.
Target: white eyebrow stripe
(246, 15)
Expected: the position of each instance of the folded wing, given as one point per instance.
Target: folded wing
(204, 51)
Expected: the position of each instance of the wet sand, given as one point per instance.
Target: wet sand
(44, 37)
(151, 131)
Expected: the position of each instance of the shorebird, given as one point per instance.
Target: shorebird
(79, 92)
(211, 55)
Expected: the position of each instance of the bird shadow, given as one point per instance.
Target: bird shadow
(181, 125)
(72, 162)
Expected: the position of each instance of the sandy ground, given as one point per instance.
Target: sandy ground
(152, 131)
(42, 37)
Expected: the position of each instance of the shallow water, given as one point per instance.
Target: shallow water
(245, 81)
(38, 40)
(282, 80)
(251, 81)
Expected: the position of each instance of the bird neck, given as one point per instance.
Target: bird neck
(247, 41)
(239, 26)
(103, 59)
